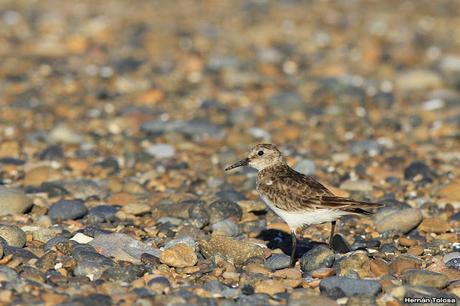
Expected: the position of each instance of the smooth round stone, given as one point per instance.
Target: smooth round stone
(319, 257)
(226, 227)
(102, 213)
(402, 221)
(221, 210)
(337, 287)
(179, 256)
(67, 210)
(13, 235)
(417, 277)
(63, 133)
(136, 209)
(305, 166)
(277, 262)
(161, 150)
(13, 201)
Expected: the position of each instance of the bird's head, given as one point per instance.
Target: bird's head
(260, 157)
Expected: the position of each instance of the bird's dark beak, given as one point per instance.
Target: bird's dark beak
(243, 162)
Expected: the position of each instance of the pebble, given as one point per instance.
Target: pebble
(226, 227)
(379, 267)
(277, 262)
(67, 210)
(83, 188)
(357, 185)
(179, 256)
(235, 251)
(161, 150)
(305, 166)
(338, 287)
(136, 209)
(417, 277)
(400, 264)
(419, 168)
(451, 191)
(13, 235)
(41, 174)
(319, 257)
(13, 201)
(354, 264)
(122, 247)
(402, 221)
(270, 287)
(222, 209)
(102, 213)
(434, 225)
(63, 133)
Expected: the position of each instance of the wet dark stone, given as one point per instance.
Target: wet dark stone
(363, 244)
(247, 290)
(338, 287)
(419, 168)
(387, 248)
(53, 152)
(319, 257)
(339, 244)
(67, 210)
(150, 260)
(221, 210)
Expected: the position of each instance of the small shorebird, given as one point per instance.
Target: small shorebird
(297, 198)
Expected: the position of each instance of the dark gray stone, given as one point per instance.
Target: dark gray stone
(338, 287)
(319, 257)
(67, 210)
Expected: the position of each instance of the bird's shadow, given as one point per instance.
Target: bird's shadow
(281, 240)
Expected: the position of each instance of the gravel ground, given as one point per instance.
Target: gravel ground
(118, 117)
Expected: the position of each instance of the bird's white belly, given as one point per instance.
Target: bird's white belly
(300, 218)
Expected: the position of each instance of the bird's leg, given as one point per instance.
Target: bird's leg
(294, 247)
(332, 232)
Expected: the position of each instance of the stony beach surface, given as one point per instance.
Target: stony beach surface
(118, 117)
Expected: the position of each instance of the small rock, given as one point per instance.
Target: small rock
(322, 273)
(318, 257)
(13, 235)
(122, 247)
(63, 133)
(451, 191)
(13, 201)
(226, 227)
(161, 150)
(102, 213)
(379, 267)
(338, 287)
(67, 210)
(305, 166)
(354, 264)
(277, 261)
(38, 175)
(357, 185)
(125, 273)
(235, 251)
(179, 256)
(82, 188)
(270, 287)
(434, 225)
(339, 244)
(400, 264)
(8, 275)
(415, 250)
(418, 80)
(187, 240)
(417, 277)
(419, 168)
(402, 221)
(81, 238)
(136, 209)
(221, 210)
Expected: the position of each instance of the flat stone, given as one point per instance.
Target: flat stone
(416, 277)
(161, 150)
(277, 261)
(136, 209)
(13, 201)
(451, 191)
(357, 185)
(397, 220)
(122, 247)
(235, 251)
(13, 235)
(338, 287)
(38, 175)
(67, 210)
(400, 264)
(270, 287)
(179, 256)
(434, 225)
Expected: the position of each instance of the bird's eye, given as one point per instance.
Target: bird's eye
(260, 153)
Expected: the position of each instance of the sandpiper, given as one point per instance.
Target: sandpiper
(298, 199)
